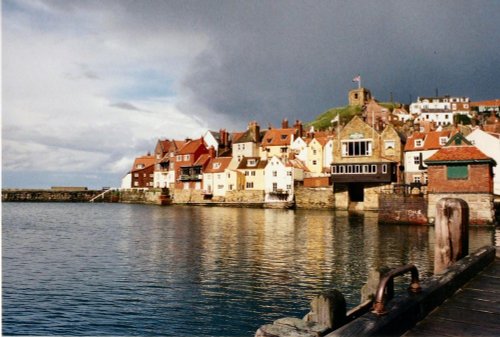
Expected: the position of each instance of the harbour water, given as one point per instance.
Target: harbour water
(116, 269)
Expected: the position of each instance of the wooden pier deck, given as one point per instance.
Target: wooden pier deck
(474, 310)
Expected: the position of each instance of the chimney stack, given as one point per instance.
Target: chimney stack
(254, 131)
(211, 151)
(284, 123)
(299, 129)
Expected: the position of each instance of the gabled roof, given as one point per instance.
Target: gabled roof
(278, 137)
(191, 146)
(244, 163)
(218, 165)
(202, 160)
(145, 161)
(458, 154)
(236, 136)
(321, 140)
(430, 140)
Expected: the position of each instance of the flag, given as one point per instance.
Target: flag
(357, 78)
(336, 119)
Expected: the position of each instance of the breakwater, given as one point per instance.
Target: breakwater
(48, 195)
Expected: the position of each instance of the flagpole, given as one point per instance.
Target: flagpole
(359, 82)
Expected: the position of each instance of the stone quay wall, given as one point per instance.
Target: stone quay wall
(396, 208)
(314, 197)
(481, 206)
(139, 196)
(42, 195)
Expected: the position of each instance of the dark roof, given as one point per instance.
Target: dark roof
(260, 164)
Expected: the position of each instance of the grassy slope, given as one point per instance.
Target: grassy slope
(323, 121)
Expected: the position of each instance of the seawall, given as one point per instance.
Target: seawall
(48, 195)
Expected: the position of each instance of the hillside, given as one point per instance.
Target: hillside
(345, 113)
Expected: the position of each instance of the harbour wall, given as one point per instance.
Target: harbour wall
(48, 195)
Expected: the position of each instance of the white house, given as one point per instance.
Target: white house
(215, 182)
(440, 109)
(278, 181)
(126, 181)
(489, 144)
(328, 153)
(299, 147)
(418, 148)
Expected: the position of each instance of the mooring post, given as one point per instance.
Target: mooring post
(328, 308)
(451, 232)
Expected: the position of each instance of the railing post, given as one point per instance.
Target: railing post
(451, 232)
(328, 309)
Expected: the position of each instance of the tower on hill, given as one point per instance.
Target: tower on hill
(359, 96)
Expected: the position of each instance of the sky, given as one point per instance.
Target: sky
(89, 85)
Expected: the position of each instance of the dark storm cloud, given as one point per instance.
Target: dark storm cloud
(274, 59)
(296, 59)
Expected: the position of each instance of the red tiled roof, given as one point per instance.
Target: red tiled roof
(237, 135)
(430, 140)
(491, 102)
(145, 161)
(278, 137)
(217, 165)
(191, 146)
(202, 160)
(458, 154)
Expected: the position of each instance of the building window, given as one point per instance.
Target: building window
(249, 184)
(314, 152)
(416, 179)
(443, 140)
(136, 175)
(384, 168)
(179, 158)
(334, 169)
(230, 187)
(315, 162)
(252, 173)
(289, 187)
(357, 148)
(289, 173)
(374, 169)
(457, 172)
(275, 187)
(136, 183)
(247, 173)
(418, 143)
(390, 144)
(416, 160)
(275, 173)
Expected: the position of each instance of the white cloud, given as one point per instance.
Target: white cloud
(65, 90)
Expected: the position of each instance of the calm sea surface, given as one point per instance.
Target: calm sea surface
(116, 269)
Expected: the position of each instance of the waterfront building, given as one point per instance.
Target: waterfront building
(142, 172)
(215, 180)
(420, 146)
(489, 144)
(165, 151)
(460, 170)
(365, 162)
(246, 144)
(252, 169)
(279, 180)
(188, 175)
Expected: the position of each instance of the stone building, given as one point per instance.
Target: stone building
(365, 163)
(359, 96)
(461, 170)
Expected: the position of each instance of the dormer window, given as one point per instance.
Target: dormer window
(443, 140)
(418, 143)
(283, 137)
(139, 166)
(216, 165)
(252, 162)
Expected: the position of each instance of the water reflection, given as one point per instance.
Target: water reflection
(182, 271)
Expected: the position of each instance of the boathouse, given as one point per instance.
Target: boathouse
(365, 163)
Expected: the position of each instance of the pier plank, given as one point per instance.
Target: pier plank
(474, 310)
